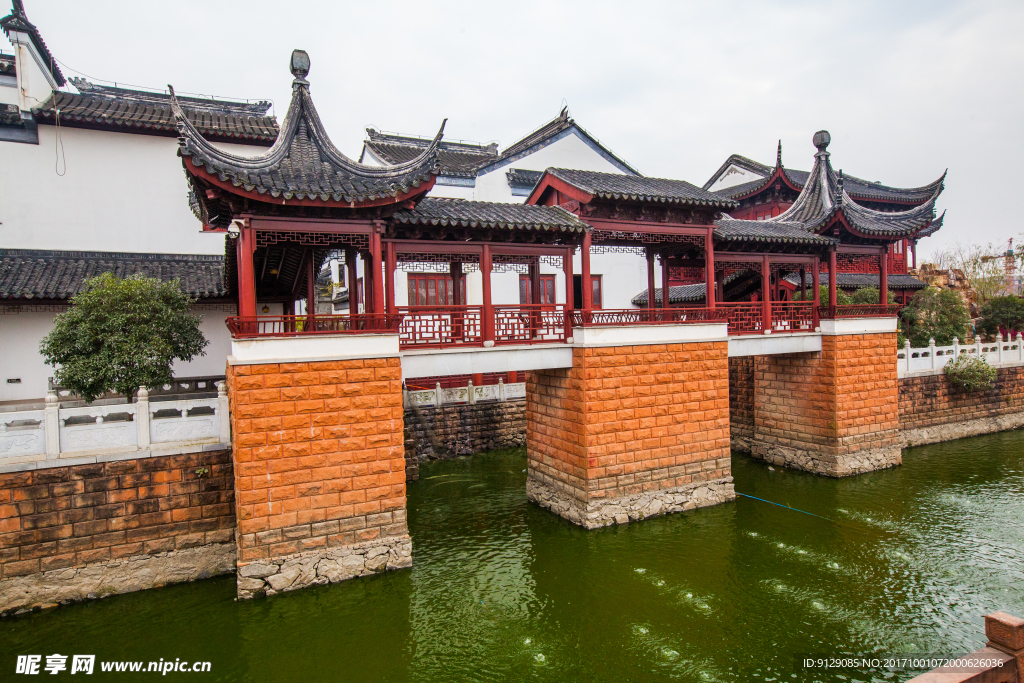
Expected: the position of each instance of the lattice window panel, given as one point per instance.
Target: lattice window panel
(312, 239)
(686, 273)
(612, 249)
(647, 238)
(553, 261)
(856, 263)
(433, 267)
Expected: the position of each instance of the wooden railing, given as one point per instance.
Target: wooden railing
(295, 325)
(859, 311)
(529, 324)
(744, 317)
(425, 327)
(647, 316)
(793, 316)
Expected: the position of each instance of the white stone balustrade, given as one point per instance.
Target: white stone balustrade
(57, 436)
(932, 359)
(467, 394)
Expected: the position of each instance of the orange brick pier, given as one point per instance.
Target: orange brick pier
(835, 412)
(319, 464)
(637, 427)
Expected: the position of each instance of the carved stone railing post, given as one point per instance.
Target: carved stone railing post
(142, 418)
(1006, 634)
(977, 345)
(956, 348)
(470, 394)
(439, 398)
(931, 351)
(1020, 347)
(999, 350)
(501, 390)
(223, 412)
(51, 425)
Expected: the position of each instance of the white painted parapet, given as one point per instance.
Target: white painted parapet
(626, 335)
(470, 394)
(932, 359)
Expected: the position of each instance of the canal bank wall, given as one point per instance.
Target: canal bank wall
(931, 410)
(76, 532)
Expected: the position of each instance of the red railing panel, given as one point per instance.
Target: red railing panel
(437, 326)
(792, 316)
(646, 316)
(246, 327)
(529, 324)
(744, 317)
(859, 311)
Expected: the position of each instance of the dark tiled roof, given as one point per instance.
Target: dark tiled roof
(453, 158)
(17, 21)
(730, 229)
(8, 65)
(860, 280)
(136, 110)
(10, 115)
(37, 274)
(522, 179)
(640, 188)
(303, 163)
(677, 294)
(824, 195)
(459, 212)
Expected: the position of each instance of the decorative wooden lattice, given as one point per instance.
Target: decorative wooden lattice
(697, 241)
(614, 249)
(312, 239)
(686, 273)
(857, 263)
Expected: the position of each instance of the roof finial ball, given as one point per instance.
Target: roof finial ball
(821, 140)
(300, 65)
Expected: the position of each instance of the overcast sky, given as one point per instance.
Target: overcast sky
(906, 88)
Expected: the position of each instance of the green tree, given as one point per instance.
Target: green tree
(122, 334)
(938, 314)
(1005, 312)
(842, 298)
(869, 295)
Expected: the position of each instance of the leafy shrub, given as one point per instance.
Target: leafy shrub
(970, 373)
(122, 334)
(938, 314)
(842, 298)
(869, 295)
(1002, 313)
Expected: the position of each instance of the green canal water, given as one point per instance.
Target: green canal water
(902, 561)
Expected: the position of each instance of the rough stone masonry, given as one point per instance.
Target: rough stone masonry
(319, 472)
(630, 432)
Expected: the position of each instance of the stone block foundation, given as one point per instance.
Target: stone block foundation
(630, 432)
(834, 412)
(319, 471)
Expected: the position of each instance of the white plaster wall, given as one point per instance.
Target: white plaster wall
(34, 82)
(9, 93)
(734, 175)
(569, 152)
(121, 192)
(452, 191)
(21, 334)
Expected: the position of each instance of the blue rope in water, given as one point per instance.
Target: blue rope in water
(783, 506)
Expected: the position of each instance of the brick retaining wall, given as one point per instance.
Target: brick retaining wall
(451, 431)
(741, 401)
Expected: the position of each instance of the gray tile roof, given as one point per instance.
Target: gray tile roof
(640, 188)
(37, 274)
(454, 158)
(677, 294)
(824, 195)
(730, 229)
(463, 213)
(861, 280)
(152, 113)
(522, 179)
(8, 65)
(303, 163)
(18, 21)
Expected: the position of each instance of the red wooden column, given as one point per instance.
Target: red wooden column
(455, 269)
(817, 291)
(367, 282)
(375, 265)
(913, 253)
(883, 277)
(832, 277)
(485, 272)
(709, 270)
(352, 276)
(310, 290)
(666, 293)
(244, 249)
(650, 278)
(535, 295)
(766, 295)
(803, 284)
(587, 298)
(390, 265)
(567, 269)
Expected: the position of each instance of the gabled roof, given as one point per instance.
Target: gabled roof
(38, 274)
(454, 158)
(857, 188)
(861, 280)
(550, 132)
(18, 22)
(732, 230)
(469, 214)
(303, 166)
(138, 111)
(823, 197)
(639, 188)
